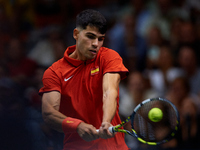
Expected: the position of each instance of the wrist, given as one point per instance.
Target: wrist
(107, 121)
(106, 124)
(69, 125)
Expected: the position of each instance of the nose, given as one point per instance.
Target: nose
(95, 43)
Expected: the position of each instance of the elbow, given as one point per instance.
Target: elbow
(46, 116)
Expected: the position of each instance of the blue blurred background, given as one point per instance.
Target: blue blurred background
(159, 41)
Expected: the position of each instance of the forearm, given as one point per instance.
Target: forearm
(50, 110)
(109, 105)
(54, 119)
(110, 93)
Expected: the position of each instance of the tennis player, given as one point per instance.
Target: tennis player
(80, 91)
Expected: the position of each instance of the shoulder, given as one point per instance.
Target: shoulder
(58, 64)
(108, 53)
(56, 67)
(105, 50)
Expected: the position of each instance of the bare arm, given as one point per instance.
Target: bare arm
(50, 110)
(110, 92)
(53, 118)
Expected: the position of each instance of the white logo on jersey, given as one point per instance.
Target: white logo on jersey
(68, 78)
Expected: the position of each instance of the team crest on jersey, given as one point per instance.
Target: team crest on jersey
(95, 70)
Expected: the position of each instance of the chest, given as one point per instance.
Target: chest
(81, 91)
(84, 80)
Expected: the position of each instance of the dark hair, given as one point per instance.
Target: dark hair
(91, 17)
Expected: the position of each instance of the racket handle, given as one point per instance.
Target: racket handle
(110, 130)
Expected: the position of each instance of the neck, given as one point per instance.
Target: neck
(73, 55)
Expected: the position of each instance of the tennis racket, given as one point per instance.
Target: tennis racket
(149, 132)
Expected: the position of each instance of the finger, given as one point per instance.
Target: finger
(104, 134)
(95, 133)
(88, 137)
(92, 134)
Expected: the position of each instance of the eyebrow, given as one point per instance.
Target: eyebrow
(90, 33)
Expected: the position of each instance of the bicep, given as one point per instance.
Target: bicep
(51, 100)
(111, 81)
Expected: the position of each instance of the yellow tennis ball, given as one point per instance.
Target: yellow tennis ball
(155, 114)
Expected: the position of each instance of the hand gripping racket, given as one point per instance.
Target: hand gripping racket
(150, 132)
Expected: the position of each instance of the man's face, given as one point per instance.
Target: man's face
(88, 42)
(187, 58)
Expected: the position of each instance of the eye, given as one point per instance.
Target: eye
(91, 36)
(101, 39)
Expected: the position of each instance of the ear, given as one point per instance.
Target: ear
(75, 33)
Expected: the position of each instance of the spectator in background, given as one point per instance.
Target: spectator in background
(49, 49)
(193, 7)
(187, 36)
(179, 93)
(59, 48)
(175, 29)
(187, 60)
(164, 11)
(130, 46)
(20, 68)
(154, 41)
(127, 36)
(165, 73)
(142, 14)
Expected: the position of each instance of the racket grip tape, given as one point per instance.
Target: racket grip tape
(111, 130)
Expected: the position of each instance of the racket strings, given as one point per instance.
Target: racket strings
(155, 131)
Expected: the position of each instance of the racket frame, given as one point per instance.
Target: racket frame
(134, 133)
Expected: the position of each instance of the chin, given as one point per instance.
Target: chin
(91, 57)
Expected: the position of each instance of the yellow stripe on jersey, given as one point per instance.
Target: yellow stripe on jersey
(94, 71)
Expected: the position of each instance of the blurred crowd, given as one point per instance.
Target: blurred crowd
(159, 41)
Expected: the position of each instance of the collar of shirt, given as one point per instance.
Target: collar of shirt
(72, 61)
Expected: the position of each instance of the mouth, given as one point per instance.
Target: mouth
(94, 52)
